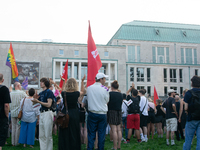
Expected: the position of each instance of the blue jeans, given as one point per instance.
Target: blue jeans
(190, 129)
(124, 121)
(96, 122)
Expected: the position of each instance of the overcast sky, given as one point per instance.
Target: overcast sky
(66, 21)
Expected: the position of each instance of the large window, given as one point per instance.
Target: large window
(148, 75)
(188, 56)
(69, 70)
(196, 72)
(149, 90)
(76, 70)
(103, 69)
(165, 74)
(140, 87)
(133, 53)
(181, 91)
(140, 74)
(160, 54)
(181, 75)
(165, 91)
(131, 74)
(172, 75)
(83, 71)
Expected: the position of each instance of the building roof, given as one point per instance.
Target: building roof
(158, 31)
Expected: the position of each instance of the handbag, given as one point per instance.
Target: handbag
(21, 111)
(63, 119)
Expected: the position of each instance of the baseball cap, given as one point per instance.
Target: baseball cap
(171, 91)
(101, 75)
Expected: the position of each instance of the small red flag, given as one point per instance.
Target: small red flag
(64, 74)
(155, 95)
(94, 61)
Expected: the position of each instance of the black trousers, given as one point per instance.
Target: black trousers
(179, 130)
(3, 130)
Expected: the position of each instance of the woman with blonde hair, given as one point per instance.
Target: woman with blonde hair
(69, 138)
(151, 118)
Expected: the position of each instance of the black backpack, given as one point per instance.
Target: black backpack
(54, 104)
(134, 107)
(151, 109)
(195, 110)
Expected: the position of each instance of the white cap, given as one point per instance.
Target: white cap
(101, 75)
(171, 91)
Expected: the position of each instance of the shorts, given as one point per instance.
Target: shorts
(114, 117)
(171, 124)
(159, 119)
(3, 130)
(133, 121)
(151, 117)
(143, 121)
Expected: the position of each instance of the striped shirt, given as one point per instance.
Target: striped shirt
(16, 96)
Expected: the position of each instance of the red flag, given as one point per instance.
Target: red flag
(64, 74)
(94, 61)
(155, 95)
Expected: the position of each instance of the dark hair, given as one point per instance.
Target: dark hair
(115, 84)
(45, 81)
(142, 91)
(57, 98)
(124, 96)
(169, 94)
(134, 92)
(176, 94)
(97, 80)
(195, 81)
(31, 92)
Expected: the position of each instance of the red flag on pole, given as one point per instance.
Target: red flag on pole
(94, 61)
(155, 95)
(64, 74)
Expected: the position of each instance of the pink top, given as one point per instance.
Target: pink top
(56, 93)
(151, 105)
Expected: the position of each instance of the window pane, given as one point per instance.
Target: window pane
(76, 71)
(181, 75)
(188, 52)
(61, 52)
(165, 74)
(182, 55)
(195, 56)
(76, 53)
(154, 54)
(196, 72)
(165, 91)
(131, 74)
(83, 71)
(106, 54)
(138, 53)
(131, 53)
(167, 54)
(149, 90)
(148, 74)
(140, 74)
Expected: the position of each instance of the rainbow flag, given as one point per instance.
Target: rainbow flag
(10, 62)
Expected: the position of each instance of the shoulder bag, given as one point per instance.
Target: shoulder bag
(63, 119)
(21, 111)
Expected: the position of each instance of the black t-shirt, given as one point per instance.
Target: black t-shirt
(177, 107)
(4, 98)
(72, 99)
(159, 111)
(169, 110)
(44, 95)
(115, 102)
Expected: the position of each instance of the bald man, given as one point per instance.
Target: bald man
(4, 111)
(16, 96)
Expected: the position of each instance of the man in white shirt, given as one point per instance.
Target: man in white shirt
(98, 97)
(143, 116)
(16, 96)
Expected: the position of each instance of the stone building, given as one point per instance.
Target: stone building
(164, 55)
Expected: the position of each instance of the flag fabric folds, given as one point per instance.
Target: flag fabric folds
(10, 62)
(25, 83)
(94, 61)
(155, 95)
(64, 74)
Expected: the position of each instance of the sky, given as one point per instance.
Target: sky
(66, 21)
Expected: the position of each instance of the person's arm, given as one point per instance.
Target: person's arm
(181, 110)
(128, 92)
(155, 110)
(57, 87)
(6, 109)
(48, 104)
(163, 109)
(83, 91)
(174, 108)
(186, 108)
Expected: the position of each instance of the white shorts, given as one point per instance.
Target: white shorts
(171, 124)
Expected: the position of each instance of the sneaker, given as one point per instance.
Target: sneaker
(146, 140)
(139, 141)
(126, 142)
(143, 139)
(172, 143)
(167, 143)
(123, 139)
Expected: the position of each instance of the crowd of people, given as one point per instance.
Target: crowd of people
(92, 110)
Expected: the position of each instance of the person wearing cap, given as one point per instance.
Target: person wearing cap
(98, 97)
(171, 115)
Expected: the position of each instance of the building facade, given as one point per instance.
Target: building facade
(164, 55)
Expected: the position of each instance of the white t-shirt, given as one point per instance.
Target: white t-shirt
(143, 101)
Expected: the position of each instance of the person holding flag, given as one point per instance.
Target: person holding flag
(97, 96)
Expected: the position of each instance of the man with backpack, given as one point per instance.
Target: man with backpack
(46, 99)
(192, 108)
(133, 118)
